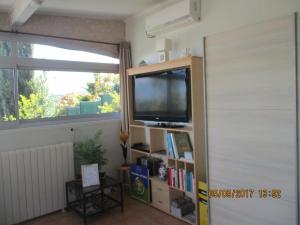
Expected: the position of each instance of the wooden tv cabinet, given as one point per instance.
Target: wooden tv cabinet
(162, 193)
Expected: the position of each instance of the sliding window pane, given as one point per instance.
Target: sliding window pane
(52, 94)
(7, 100)
(5, 48)
(38, 51)
(25, 50)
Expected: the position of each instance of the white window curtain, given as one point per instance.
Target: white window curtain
(107, 49)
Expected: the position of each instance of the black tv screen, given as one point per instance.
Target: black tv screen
(163, 96)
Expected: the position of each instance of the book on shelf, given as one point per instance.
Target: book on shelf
(175, 179)
(181, 179)
(179, 146)
(170, 146)
(169, 177)
(182, 144)
(176, 156)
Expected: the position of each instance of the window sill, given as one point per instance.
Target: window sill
(59, 121)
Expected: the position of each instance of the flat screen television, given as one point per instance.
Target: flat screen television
(162, 96)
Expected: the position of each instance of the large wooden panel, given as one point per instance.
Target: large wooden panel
(297, 35)
(251, 121)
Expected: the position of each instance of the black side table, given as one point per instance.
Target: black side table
(94, 200)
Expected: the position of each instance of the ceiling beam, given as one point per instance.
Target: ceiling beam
(22, 11)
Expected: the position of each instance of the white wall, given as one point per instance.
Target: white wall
(217, 16)
(54, 134)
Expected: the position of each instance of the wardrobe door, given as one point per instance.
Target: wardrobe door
(297, 35)
(251, 123)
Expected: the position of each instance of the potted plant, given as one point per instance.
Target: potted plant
(123, 138)
(88, 152)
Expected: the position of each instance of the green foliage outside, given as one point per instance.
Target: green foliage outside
(106, 85)
(114, 106)
(40, 104)
(5, 48)
(36, 102)
(7, 105)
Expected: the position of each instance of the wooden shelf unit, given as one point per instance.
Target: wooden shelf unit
(155, 136)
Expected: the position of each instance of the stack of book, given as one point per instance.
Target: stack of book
(179, 146)
(181, 179)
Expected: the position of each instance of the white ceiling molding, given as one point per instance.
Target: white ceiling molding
(95, 9)
(22, 11)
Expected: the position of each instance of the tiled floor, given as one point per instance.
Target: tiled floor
(135, 213)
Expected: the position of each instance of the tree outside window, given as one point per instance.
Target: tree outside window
(48, 94)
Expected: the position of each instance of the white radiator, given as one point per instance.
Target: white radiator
(32, 181)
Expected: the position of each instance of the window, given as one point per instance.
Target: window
(34, 87)
(62, 93)
(5, 48)
(7, 99)
(39, 51)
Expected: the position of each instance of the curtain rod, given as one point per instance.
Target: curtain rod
(52, 36)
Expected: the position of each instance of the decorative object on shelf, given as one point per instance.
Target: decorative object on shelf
(186, 52)
(142, 63)
(163, 47)
(162, 172)
(188, 155)
(90, 151)
(181, 144)
(124, 138)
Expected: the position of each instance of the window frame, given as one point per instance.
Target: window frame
(18, 63)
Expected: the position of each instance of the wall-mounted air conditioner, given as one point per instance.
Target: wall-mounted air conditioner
(176, 15)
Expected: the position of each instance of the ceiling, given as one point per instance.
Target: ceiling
(109, 9)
